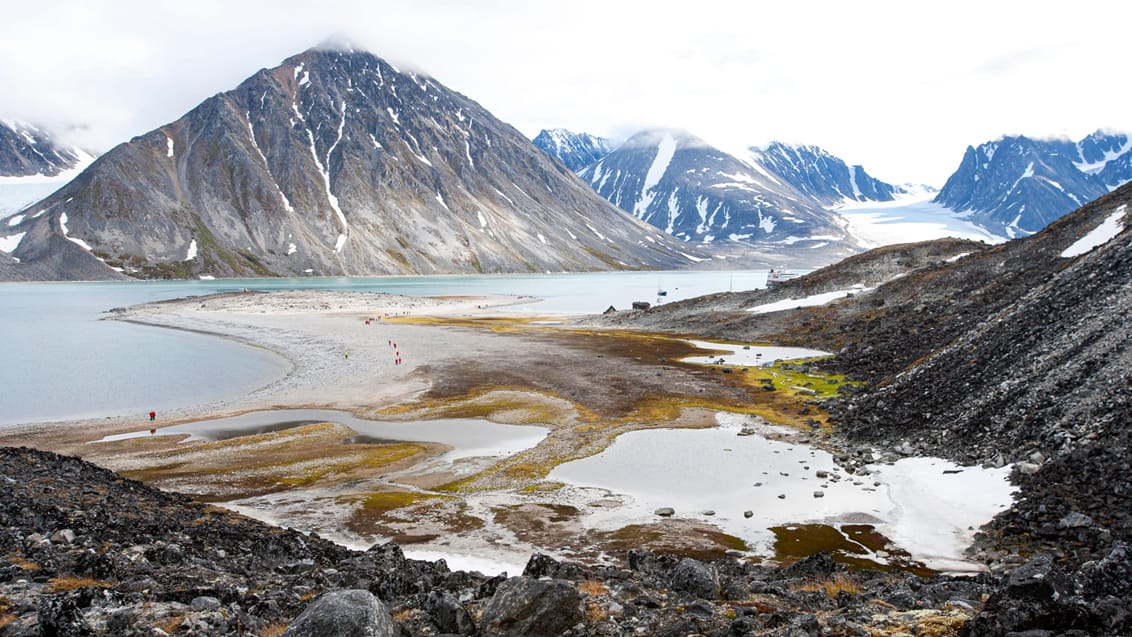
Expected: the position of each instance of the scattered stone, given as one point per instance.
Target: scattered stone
(204, 603)
(665, 512)
(1075, 520)
(748, 514)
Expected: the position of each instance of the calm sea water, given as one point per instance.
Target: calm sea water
(58, 361)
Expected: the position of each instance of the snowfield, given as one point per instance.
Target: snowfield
(909, 219)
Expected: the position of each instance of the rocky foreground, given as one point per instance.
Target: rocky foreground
(84, 551)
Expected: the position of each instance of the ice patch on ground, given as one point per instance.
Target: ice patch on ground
(808, 301)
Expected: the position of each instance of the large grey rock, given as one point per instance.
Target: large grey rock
(696, 578)
(345, 613)
(525, 607)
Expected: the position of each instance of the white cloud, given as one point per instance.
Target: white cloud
(901, 88)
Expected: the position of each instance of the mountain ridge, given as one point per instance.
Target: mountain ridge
(698, 193)
(1017, 185)
(333, 163)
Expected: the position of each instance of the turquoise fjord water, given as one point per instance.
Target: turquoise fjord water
(61, 362)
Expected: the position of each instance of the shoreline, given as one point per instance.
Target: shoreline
(459, 358)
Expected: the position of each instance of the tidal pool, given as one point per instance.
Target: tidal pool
(468, 437)
(928, 507)
(749, 355)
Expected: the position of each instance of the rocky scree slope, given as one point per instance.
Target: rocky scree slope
(728, 315)
(1040, 377)
(86, 552)
(1012, 353)
(333, 163)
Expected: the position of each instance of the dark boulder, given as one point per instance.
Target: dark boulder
(59, 616)
(697, 578)
(816, 566)
(1036, 595)
(525, 607)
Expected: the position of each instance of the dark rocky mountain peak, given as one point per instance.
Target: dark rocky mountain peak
(1016, 186)
(575, 150)
(821, 175)
(334, 162)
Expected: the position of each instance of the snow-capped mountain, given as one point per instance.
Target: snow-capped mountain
(332, 163)
(776, 197)
(576, 150)
(1016, 186)
(27, 150)
(32, 166)
(679, 183)
(825, 178)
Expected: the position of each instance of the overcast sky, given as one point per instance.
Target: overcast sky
(899, 87)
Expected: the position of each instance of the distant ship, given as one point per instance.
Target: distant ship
(777, 277)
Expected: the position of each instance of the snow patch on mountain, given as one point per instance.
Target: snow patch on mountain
(1102, 234)
(665, 151)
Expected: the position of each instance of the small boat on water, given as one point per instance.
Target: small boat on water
(777, 277)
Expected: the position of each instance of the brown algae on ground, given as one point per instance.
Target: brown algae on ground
(258, 464)
(678, 537)
(409, 516)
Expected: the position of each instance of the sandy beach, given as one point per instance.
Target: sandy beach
(460, 362)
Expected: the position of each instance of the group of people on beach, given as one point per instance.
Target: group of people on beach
(396, 352)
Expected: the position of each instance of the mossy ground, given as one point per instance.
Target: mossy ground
(851, 544)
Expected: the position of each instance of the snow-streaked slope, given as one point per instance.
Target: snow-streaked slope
(332, 163)
(1111, 226)
(818, 174)
(27, 150)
